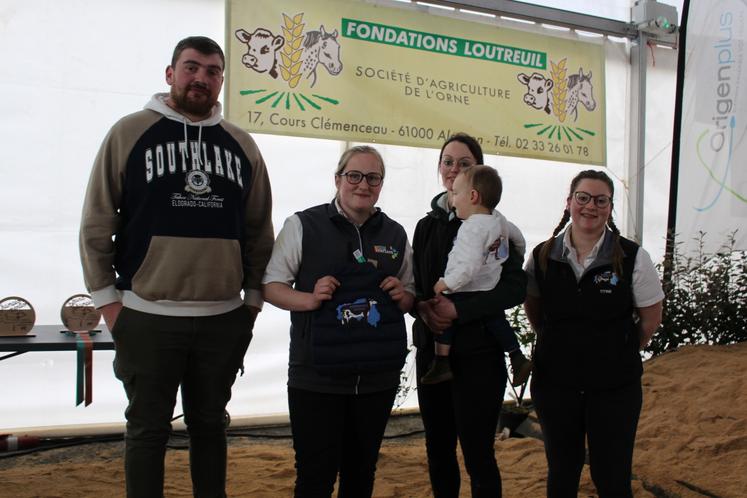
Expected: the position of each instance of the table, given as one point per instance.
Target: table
(53, 338)
(49, 338)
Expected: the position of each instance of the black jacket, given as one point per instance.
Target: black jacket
(434, 237)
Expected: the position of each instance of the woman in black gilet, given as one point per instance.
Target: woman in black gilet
(344, 270)
(594, 299)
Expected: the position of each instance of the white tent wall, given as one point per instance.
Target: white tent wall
(72, 68)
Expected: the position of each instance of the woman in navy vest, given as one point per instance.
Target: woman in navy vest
(594, 299)
(465, 408)
(344, 270)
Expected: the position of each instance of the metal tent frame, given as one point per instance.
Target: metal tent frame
(640, 33)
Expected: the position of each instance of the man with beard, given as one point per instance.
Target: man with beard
(176, 223)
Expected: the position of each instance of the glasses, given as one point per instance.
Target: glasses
(355, 177)
(600, 201)
(449, 163)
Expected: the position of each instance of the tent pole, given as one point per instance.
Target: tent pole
(677, 133)
(637, 142)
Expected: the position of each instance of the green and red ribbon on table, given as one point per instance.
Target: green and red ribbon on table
(84, 365)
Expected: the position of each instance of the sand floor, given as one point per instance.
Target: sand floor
(692, 442)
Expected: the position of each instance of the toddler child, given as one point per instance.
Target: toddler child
(475, 263)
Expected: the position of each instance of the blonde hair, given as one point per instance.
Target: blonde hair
(359, 149)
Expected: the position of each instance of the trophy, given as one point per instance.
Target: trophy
(79, 314)
(81, 317)
(17, 317)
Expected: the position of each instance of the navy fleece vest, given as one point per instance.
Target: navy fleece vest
(361, 330)
(589, 339)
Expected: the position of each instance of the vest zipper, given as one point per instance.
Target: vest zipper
(360, 240)
(357, 382)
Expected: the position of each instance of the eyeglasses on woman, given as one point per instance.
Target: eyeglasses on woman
(355, 177)
(600, 201)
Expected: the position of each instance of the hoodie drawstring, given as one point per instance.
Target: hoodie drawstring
(199, 141)
(199, 146)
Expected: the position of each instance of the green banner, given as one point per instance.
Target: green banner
(401, 37)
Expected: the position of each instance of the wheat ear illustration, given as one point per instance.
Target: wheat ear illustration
(290, 55)
(559, 89)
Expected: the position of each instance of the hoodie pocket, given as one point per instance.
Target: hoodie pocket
(189, 269)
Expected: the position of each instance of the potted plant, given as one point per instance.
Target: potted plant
(516, 410)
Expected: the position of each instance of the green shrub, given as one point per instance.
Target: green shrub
(517, 318)
(706, 297)
(526, 336)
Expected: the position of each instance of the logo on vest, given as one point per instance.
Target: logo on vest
(360, 310)
(606, 279)
(386, 250)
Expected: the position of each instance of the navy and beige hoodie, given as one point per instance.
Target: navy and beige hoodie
(177, 215)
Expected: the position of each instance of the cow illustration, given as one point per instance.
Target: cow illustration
(262, 50)
(578, 89)
(538, 91)
(359, 310)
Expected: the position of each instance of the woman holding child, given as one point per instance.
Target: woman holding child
(465, 408)
(594, 299)
(344, 270)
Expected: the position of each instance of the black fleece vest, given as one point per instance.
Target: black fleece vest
(361, 330)
(589, 339)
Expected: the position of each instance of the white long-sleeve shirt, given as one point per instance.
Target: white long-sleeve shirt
(646, 285)
(481, 246)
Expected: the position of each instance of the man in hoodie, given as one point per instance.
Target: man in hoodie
(176, 222)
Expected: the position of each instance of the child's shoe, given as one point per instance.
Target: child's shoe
(521, 367)
(440, 371)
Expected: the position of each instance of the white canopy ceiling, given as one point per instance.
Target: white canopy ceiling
(71, 69)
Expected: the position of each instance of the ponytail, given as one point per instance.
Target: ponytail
(617, 250)
(547, 245)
